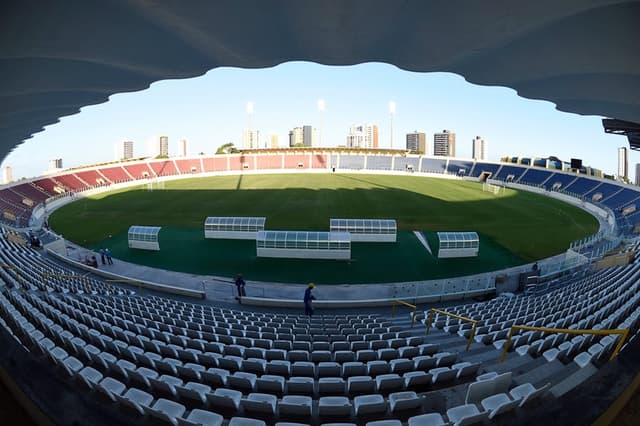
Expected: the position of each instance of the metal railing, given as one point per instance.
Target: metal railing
(472, 321)
(622, 332)
(403, 303)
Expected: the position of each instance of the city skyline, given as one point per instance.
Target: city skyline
(214, 108)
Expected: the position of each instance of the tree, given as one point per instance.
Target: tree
(227, 148)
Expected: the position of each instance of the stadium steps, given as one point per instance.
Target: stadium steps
(573, 379)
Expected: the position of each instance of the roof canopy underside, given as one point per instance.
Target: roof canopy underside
(56, 57)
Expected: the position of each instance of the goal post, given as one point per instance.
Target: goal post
(490, 187)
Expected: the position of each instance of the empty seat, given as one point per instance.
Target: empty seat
(389, 383)
(527, 392)
(442, 374)
(466, 415)
(295, 405)
(244, 421)
(416, 378)
(228, 399)
(498, 403)
(369, 404)
(331, 386)
(166, 411)
(300, 385)
(202, 417)
(261, 403)
(270, 384)
(241, 380)
(334, 406)
(429, 419)
(355, 368)
(360, 385)
(400, 401)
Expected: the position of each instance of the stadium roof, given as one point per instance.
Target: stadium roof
(57, 57)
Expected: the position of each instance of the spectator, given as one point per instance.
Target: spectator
(240, 284)
(101, 251)
(308, 297)
(107, 253)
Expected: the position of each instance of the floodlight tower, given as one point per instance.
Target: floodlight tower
(321, 107)
(392, 112)
(249, 114)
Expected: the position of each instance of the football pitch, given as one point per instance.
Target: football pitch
(515, 227)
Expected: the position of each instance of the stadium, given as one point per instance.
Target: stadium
(449, 291)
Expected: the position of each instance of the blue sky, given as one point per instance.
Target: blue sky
(211, 110)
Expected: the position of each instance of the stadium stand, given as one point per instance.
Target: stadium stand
(509, 173)
(92, 177)
(433, 165)
(115, 174)
(481, 168)
(352, 162)
(163, 360)
(163, 168)
(535, 177)
(190, 166)
(139, 171)
(559, 181)
(459, 167)
(405, 164)
(581, 186)
(71, 182)
(378, 162)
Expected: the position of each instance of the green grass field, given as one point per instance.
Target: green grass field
(527, 225)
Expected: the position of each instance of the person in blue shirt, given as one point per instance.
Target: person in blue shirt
(107, 253)
(240, 286)
(308, 297)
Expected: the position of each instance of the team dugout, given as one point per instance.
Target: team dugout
(241, 228)
(304, 244)
(371, 230)
(458, 244)
(144, 237)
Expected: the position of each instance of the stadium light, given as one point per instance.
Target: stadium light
(392, 111)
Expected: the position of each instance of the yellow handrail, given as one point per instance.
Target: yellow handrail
(402, 302)
(623, 332)
(472, 321)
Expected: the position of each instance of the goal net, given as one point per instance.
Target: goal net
(495, 189)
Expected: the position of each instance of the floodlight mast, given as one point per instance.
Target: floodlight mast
(321, 107)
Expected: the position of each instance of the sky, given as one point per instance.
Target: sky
(211, 110)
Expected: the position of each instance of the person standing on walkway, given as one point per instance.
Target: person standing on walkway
(101, 251)
(107, 252)
(308, 297)
(240, 286)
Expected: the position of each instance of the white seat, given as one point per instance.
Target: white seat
(442, 374)
(261, 403)
(270, 384)
(389, 382)
(403, 401)
(300, 385)
(583, 359)
(331, 385)
(166, 410)
(498, 404)
(429, 419)
(416, 378)
(466, 415)
(202, 417)
(360, 384)
(243, 421)
(225, 398)
(384, 423)
(465, 369)
(242, 380)
(295, 405)
(334, 406)
(527, 392)
(369, 404)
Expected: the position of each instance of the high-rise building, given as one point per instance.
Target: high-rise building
(296, 137)
(7, 174)
(164, 146)
(417, 141)
(623, 164)
(479, 149)
(250, 139)
(275, 143)
(127, 150)
(309, 136)
(183, 148)
(444, 143)
(55, 164)
(637, 174)
(363, 136)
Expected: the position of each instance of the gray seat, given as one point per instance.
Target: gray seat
(360, 385)
(527, 392)
(243, 381)
(303, 368)
(193, 394)
(369, 404)
(400, 401)
(331, 386)
(260, 403)
(333, 406)
(165, 411)
(225, 399)
(498, 404)
(429, 419)
(416, 378)
(300, 385)
(270, 384)
(389, 383)
(244, 421)
(466, 415)
(202, 417)
(329, 369)
(355, 368)
(295, 405)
